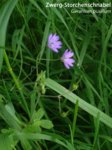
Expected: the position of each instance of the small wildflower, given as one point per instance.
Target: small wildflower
(54, 42)
(67, 59)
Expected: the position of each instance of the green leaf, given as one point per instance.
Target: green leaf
(25, 144)
(10, 118)
(34, 128)
(47, 124)
(48, 136)
(107, 120)
(6, 142)
(38, 115)
(5, 12)
(10, 109)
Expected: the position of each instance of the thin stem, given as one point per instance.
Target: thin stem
(50, 59)
(16, 83)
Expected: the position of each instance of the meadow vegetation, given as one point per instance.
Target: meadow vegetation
(44, 105)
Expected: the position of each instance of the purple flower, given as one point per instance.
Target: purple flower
(54, 42)
(67, 59)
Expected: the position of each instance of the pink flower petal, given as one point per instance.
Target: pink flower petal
(66, 65)
(54, 43)
(67, 59)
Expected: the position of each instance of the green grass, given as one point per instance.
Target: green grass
(42, 104)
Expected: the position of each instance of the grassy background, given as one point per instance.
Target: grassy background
(37, 112)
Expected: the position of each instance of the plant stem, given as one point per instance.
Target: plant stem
(16, 83)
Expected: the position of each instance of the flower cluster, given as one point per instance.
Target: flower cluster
(55, 44)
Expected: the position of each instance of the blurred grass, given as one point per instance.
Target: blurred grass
(5, 12)
(27, 64)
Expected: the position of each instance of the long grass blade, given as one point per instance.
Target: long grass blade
(5, 12)
(107, 120)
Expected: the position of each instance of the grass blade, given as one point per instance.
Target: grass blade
(107, 120)
(5, 12)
